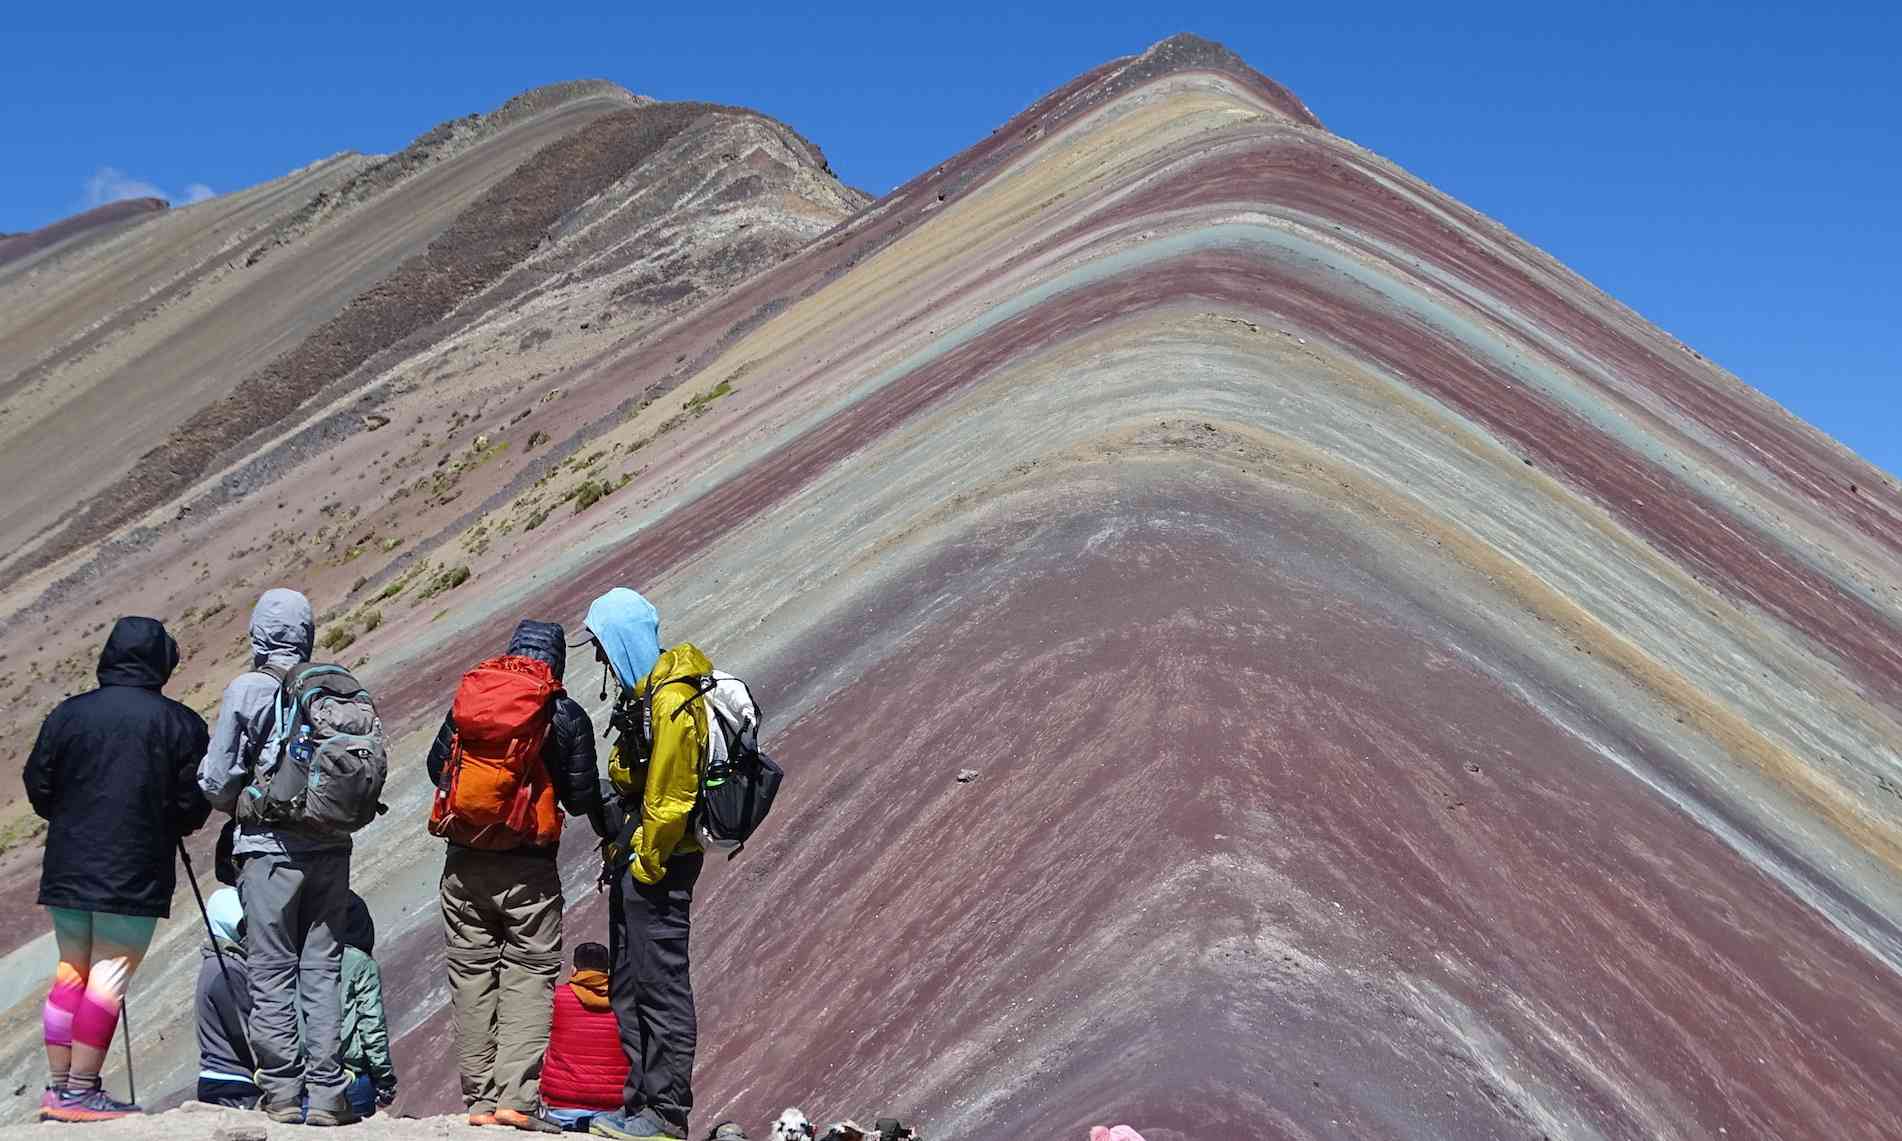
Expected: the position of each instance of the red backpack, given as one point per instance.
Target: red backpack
(496, 793)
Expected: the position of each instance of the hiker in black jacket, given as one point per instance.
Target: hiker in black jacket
(113, 774)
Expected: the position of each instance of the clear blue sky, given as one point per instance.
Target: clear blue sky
(1731, 170)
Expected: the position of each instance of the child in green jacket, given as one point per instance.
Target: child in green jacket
(366, 1036)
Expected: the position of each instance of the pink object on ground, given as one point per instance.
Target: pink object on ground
(1119, 1133)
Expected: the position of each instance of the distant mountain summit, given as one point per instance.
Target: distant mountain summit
(14, 247)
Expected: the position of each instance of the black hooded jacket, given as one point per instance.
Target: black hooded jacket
(568, 753)
(359, 926)
(114, 773)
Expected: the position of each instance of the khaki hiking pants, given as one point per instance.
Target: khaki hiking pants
(501, 918)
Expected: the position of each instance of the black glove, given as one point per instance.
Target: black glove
(224, 864)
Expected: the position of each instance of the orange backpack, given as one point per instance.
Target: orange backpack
(496, 793)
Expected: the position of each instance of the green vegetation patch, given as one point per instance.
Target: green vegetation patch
(20, 830)
(698, 404)
(448, 580)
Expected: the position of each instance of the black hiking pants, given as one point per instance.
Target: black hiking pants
(652, 990)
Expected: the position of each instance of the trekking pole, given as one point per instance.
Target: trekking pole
(191, 877)
(125, 1035)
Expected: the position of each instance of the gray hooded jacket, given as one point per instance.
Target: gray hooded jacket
(281, 635)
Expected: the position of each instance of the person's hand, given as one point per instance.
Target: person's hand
(385, 1098)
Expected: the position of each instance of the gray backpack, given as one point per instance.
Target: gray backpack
(331, 760)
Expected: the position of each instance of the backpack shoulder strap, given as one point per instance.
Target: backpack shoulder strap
(266, 729)
(702, 686)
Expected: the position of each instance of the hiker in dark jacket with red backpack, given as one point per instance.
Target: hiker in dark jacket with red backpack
(112, 773)
(512, 748)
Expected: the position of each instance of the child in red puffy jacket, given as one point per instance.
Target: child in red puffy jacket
(584, 1070)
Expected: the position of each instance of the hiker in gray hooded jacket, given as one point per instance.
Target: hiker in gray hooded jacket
(295, 887)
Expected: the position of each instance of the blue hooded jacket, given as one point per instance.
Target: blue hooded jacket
(628, 628)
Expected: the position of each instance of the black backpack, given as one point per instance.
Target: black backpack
(738, 782)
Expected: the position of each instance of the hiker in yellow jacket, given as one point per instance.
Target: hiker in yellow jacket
(653, 862)
(671, 785)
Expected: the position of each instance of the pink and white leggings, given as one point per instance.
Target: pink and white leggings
(97, 954)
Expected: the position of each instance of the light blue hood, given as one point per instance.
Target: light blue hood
(224, 912)
(628, 628)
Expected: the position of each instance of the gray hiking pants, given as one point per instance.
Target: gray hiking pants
(501, 919)
(294, 911)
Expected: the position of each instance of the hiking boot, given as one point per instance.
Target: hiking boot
(643, 1126)
(526, 1122)
(728, 1131)
(282, 1114)
(71, 1105)
(332, 1117)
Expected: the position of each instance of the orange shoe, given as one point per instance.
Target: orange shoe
(485, 1118)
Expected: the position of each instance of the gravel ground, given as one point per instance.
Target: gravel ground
(195, 1121)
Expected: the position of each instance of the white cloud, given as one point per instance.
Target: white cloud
(110, 184)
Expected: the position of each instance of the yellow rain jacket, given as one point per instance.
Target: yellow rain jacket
(672, 787)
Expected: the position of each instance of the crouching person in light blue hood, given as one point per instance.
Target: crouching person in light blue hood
(295, 887)
(226, 1068)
